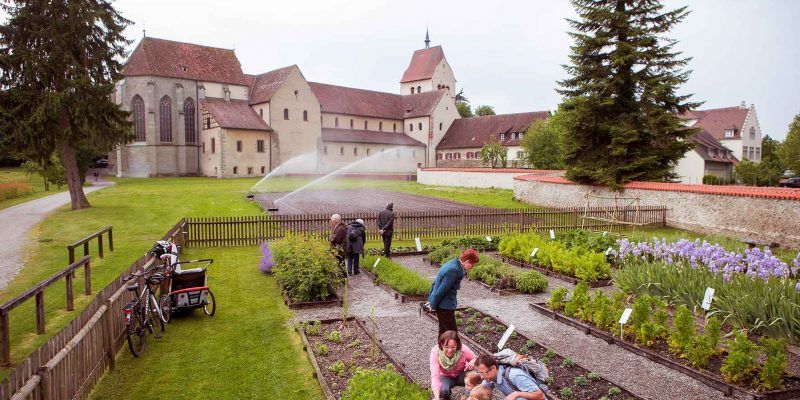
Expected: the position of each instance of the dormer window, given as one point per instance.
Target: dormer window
(728, 133)
(183, 68)
(502, 136)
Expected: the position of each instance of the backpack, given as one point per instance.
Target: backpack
(531, 366)
(352, 233)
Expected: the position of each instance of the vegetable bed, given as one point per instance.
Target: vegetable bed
(404, 284)
(568, 380)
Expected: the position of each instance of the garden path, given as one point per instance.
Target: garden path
(17, 221)
(409, 337)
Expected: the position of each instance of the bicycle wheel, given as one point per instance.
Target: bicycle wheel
(155, 308)
(136, 333)
(211, 304)
(156, 323)
(166, 308)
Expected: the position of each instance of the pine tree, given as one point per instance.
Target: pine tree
(59, 62)
(624, 75)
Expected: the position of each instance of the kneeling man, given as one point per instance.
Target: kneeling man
(515, 383)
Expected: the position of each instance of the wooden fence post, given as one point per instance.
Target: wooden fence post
(100, 245)
(70, 300)
(40, 312)
(108, 336)
(5, 340)
(110, 239)
(71, 251)
(46, 385)
(87, 277)
(86, 248)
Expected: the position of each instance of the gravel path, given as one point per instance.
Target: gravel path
(409, 337)
(17, 221)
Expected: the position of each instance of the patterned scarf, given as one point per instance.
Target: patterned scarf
(448, 363)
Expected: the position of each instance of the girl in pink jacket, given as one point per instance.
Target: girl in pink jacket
(449, 362)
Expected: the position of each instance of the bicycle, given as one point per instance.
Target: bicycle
(141, 319)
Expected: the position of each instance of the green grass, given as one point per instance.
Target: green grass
(9, 175)
(246, 351)
(398, 277)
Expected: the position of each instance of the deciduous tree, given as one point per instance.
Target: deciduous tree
(790, 150)
(483, 110)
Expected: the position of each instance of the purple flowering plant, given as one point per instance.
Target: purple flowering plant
(266, 263)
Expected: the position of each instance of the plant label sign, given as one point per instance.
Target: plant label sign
(625, 316)
(608, 251)
(504, 338)
(605, 233)
(419, 244)
(707, 298)
(533, 253)
(488, 238)
(376, 263)
(552, 234)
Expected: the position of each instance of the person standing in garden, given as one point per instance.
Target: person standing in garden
(442, 298)
(450, 360)
(386, 228)
(356, 238)
(338, 238)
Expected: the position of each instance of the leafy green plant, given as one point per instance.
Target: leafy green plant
(567, 362)
(337, 368)
(699, 351)
(549, 381)
(355, 344)
(370, 384)
(472, 320)
(581, 380)
(557, 297)
(545, 360)
(683, 331)
(602, 314)
(334, 336)
(713, 331)
(613, 391)
(593, 376)
(775, 365)
(531, 282)
(740, 364)
(566, 392)
(469, 329)
(305, 268)
(321, 349)
(400, 278)
(480, 338)
(313, 328)
(577, 303)
(443, 254)
(549, 353)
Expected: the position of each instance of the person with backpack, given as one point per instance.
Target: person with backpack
(386, 228)
(356, 239)
(515, 382)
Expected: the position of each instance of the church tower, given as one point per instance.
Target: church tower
(428, 71)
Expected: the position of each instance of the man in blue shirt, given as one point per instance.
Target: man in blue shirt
(442, 298)
(515, 383)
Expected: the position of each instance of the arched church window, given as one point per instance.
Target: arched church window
(365, 125)
(411, 127)
(419, 89)
(440, 125)
(235, 170)
(165, 117)
(380, 126)
(286, 113)
(305, 115)
(137, 106)
(351, 123)
(420, 126)
(336, 122)
(189, 120)
(412, 90)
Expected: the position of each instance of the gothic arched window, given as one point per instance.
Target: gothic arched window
(419, 89)
(137, 107)
(189, 120)
(165, 118)
(286, 113)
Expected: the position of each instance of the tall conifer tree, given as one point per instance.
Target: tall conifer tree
(59, 61)
(621, 93)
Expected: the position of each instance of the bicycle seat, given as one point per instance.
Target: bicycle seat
(133, 287)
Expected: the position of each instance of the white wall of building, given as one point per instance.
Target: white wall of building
(690, 168)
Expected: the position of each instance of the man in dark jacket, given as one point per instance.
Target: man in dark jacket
(338, 238)
(386, 228)
(356, 238)
(442, 298)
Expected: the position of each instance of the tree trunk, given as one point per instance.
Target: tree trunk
(76, 195)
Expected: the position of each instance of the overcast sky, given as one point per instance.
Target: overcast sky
(505, 54)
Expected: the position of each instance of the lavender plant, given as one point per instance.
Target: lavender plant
(266, 263)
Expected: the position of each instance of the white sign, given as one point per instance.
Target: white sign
(505, 337)
(707, 298)
(376, 263)
(608, 251)
(605, 233)
(625, 315)
(533, 253)
(552, 235)
(419, 244)
(488, 238)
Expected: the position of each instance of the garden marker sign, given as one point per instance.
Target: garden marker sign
(376, 263)
(533, 253)
(419, 244)
(504, 338)
(552, 235)
(488, 238)
(707, 298)
(624, 319)
(608, 251)
(605, 233)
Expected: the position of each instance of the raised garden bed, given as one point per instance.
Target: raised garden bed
(555, 274)
(661, 355)
(336, 349)
(504, 291)
(485, 331)
(404, 298)
(332, 301)
(401, 251)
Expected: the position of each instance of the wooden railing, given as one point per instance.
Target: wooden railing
(85, 243)
(69, 364)
(244, 231)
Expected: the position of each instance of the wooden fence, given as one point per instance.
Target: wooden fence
(69, 364)
(244, 231)
(85, 243)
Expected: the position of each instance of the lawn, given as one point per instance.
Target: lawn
(11, 175)
(247, 350)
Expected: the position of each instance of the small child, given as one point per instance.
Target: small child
(471, 381)
(480, 392)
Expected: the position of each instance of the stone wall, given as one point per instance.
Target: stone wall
(761, 215)
(502, 178)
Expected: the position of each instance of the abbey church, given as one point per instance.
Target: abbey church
(195, 112)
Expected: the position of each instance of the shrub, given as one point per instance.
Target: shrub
(531, 282)
(579, 261)
(602, 314)
(775, 366)
(373, 384)
(711, 180)
(740, 364)
(557, 297)
(400, 278)
(443, 254)
(699, 351)
(305, 268)
(475, 242)
(577, 303)
(682, 332)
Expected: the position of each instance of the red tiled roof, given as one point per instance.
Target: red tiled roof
(704, 141)
(235, 114)
(717, 120)
(159, 57)
(476, 131)
(421, 104)
(739, 191)
(361, 136)
(351, 101)
(266, 84)
(423, 64)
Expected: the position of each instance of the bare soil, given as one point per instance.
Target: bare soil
(354, 201)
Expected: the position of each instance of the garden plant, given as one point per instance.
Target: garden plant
(401, 279)
(305, 267)
(576, 260)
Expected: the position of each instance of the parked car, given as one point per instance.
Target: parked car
(790, 182)
(101, 163)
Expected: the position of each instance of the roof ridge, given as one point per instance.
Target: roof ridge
(274, 70)
(189, 43)
(723, 109)
(352, 88)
